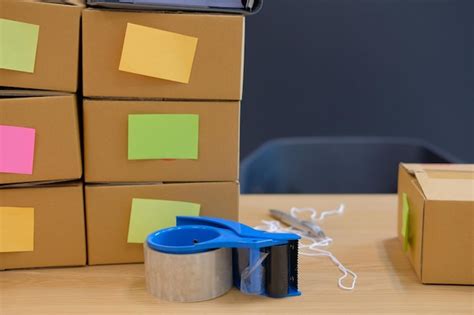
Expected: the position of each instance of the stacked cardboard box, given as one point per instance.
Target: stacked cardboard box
(161, 123)
(436, 221)
(41, 206)
(49, 41)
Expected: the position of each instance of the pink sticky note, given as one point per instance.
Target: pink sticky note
(17, 148)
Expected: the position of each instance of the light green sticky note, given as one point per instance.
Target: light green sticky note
(163, 136)
(405, 221)
(18, 42)
(149, 215)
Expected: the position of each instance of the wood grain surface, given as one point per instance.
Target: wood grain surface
(364, 240)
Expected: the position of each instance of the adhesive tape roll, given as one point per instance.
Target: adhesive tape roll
(188, 277)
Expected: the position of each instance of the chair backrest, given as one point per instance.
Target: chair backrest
(334, 165)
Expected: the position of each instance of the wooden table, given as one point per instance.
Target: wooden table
(364, 240)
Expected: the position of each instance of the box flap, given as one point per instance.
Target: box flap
(39, 184)
(444, 181)
(12, 92)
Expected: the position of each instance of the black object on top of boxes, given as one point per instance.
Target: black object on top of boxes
(224, 6)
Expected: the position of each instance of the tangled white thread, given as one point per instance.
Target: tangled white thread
(312, 244)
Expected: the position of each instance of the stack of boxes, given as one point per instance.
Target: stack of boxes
(161, 123)
(160, 131)
(41, 197)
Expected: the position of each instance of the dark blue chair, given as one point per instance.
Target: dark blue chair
(333, 165)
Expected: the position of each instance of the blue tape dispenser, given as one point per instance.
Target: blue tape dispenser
(262, 263)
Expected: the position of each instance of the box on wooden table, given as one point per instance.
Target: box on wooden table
(39, 138)
(137, 141)
(162, 55)
(47, 35)
(120, 216)
(436, 221)
(42, 226)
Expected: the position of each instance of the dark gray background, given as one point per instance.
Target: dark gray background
(361, 67)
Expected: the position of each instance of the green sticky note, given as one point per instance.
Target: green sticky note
(18, 42)
(405, 221)
(149, 215)
(163, 136)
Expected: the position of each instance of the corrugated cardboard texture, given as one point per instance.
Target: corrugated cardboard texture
(218, 64)
(108, 213)
(57, 145)
(106, 142)
(57, 56)
(445, 224)
(59, 229)
(448, 242)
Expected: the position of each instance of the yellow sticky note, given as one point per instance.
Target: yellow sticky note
(16, 229)
(156, 53)
(405, 221)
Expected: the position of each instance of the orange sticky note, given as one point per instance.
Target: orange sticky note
(156, 53)
(16, 229)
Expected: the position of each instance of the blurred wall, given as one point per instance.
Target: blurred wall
(361, 67)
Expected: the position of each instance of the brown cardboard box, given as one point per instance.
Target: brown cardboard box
(59, 229)
(57, 152)
(217, 68)
(106, 142)
(108, 213)
(57, 54)
(440, 221)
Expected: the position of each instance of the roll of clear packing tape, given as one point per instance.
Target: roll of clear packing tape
(188, 277)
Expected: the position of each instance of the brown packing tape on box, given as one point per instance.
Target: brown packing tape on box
(217, 70)
(59, 228)
(108, 209)
(441, 221)
(57, 55)
(106, 141)
(57, 153)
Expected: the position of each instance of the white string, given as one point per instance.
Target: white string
(310, 246)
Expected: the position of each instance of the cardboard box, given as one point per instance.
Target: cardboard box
(56, 154)
(440, 221)
(108, 209)
(106, 142)
(217, 69)
(56, 61)
(59, 229)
